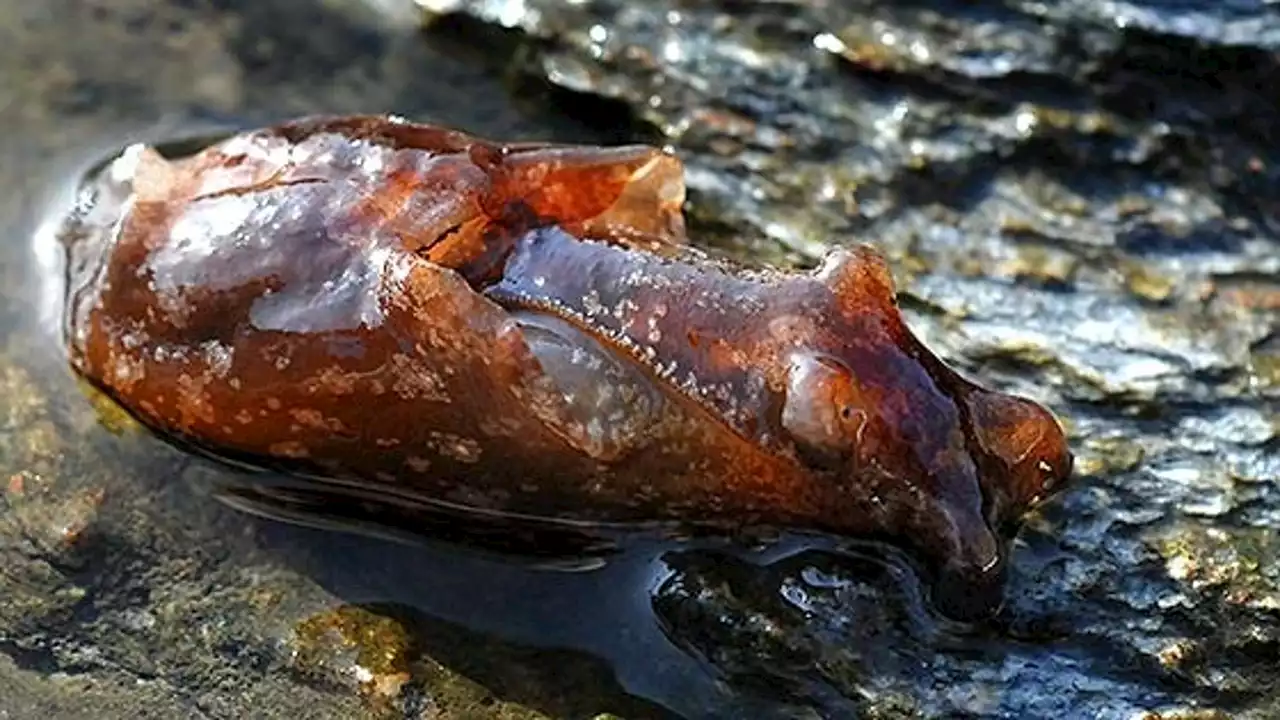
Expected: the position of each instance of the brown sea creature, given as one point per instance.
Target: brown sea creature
(521, 330)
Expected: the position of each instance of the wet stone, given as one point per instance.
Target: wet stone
(353, 647)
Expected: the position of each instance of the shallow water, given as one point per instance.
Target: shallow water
(1073, 210)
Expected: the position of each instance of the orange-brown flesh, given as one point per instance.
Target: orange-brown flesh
(407, 305)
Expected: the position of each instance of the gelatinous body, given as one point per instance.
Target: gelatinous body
(519, 329)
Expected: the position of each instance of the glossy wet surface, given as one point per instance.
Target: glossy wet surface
(1072, 210)
(148, 577)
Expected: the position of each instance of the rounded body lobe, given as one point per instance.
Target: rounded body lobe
(312, 298)
(518, 329)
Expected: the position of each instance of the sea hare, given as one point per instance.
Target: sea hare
(521, 329)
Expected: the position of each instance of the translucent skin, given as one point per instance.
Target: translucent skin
(520, 329)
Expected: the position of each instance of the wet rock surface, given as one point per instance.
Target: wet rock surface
(1076, 198)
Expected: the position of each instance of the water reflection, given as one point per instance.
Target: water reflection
(520, 589)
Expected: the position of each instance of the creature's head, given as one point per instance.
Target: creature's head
(935, 462)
